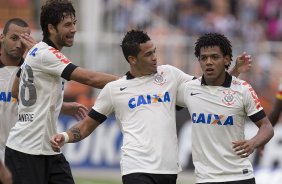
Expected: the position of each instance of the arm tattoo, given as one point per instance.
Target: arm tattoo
(76, 134)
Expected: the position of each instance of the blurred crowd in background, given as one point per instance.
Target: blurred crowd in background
(254, 26)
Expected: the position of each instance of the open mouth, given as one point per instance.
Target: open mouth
(209, 71)
(70, 38)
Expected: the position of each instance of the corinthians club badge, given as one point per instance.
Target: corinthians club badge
(159, 79)
(228, 98)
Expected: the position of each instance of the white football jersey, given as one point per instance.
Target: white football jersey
(8, 104)
(145, 110)
(40, 100)
(218, 115)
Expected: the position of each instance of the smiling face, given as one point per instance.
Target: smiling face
(146, 61)
(11, 45)
(213, 63)
(63, 34)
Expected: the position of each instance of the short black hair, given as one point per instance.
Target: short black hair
(131, 42)
(16, 21)
(211, 40)
(53, 12)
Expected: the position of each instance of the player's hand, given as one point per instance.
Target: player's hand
(243, 148)
(28, 42)
(77, 110)
(243, 63)
(5, 175)
(57, 141)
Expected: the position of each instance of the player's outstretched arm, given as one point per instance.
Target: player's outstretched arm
(74, 134)
(77, 110)
(244, 148)
(90, 78)
(5, 175)
(243, 64)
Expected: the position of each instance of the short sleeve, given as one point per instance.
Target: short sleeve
(250, 99)
(180, 76)
(103, 103)
(54, 62)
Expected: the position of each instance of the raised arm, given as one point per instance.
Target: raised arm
(243, 64)
(90, 78)
(74, 134)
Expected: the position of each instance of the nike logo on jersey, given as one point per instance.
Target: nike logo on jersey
(122, 88)
(192, 94)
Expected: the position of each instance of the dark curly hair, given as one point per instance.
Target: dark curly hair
(53, 12)
(131, 42)
(211, 40)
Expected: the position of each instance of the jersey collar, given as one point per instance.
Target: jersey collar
(226, 83)
(49, 42)
(129, 76)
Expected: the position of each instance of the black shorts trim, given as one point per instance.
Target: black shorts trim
(148, 178)
(247, 181)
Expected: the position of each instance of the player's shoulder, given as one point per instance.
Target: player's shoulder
(167, 67)
(240, 84)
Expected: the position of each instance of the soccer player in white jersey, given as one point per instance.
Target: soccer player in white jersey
(28, 153)
(144, 105)
(11, 52)
(219, 105)
(15, 42)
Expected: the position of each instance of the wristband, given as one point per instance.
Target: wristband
(66, 136)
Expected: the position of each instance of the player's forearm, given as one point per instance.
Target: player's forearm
(99, 79)
(265, 133)
(80, 131)
(234, 72)
(90, 78)
(275, 113)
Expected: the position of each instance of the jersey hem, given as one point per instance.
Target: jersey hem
(32, 152)
(224, 179)
(150, 172)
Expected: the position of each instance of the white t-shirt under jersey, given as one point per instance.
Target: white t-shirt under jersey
(218, 115)
(8, 104)
(40, 100)
(145, 110)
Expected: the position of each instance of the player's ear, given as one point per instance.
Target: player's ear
(132, 60)
(227, 60)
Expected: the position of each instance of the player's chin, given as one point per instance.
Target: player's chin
(68, 43)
